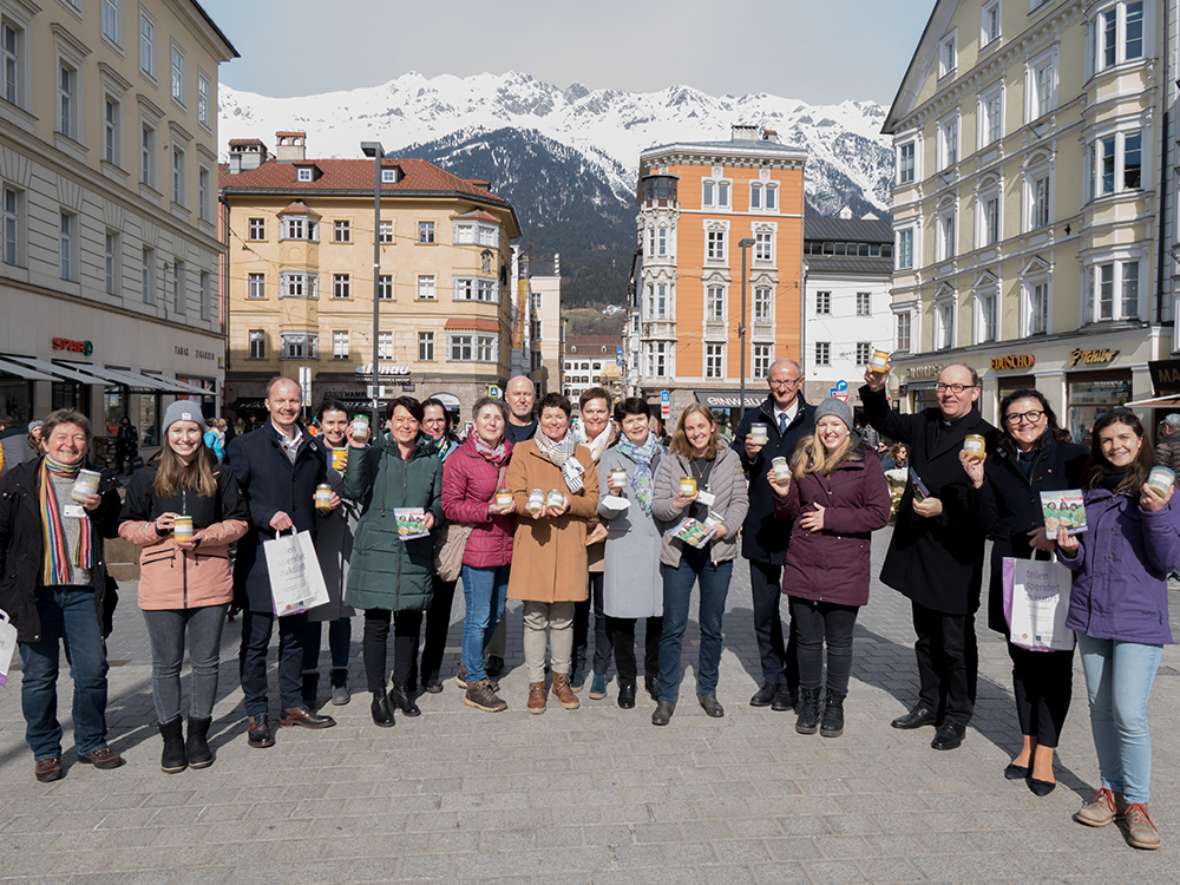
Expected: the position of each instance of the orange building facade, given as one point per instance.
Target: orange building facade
(697, 202)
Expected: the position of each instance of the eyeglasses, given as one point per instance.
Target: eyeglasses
(785, 382)
(953, 388)
(1032, 417)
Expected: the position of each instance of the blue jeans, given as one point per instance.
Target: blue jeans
(678, 582)
(168, 631)
(484, 592)
(68, 617)
(1119, 677)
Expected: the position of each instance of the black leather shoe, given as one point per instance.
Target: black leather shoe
(663, 713)
(258, 732)
(649, 685)
(626, 693)
(1041, 788)
(711, 705)
(784, 699)
(763, 696)
(915, 718)
(807, 721)
(381, 710)
(949, 736)
(402, 700)
(1016, 772)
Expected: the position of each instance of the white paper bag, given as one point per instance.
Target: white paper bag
(296, 582)
(7, 645)
(1039, 604)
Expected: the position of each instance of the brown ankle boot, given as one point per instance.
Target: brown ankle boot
(564, 694)
(537, 697)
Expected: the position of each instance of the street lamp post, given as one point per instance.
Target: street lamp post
(377, 152)
(744, 244)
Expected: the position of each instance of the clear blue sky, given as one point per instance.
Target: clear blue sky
(820, 51)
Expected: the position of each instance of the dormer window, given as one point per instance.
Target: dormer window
(304, 173)
(389, 176)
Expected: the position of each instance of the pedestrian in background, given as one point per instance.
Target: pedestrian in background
(55, 589)
(696, 453)
(1167, 447)
(185, 582)
(215, 438)
(1119, 610)
(436, 430)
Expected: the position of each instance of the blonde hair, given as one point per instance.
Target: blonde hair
(680, 444)
(811, 456)
(196, 476)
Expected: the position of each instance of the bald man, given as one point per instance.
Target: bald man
(787, 419)
(519, 395)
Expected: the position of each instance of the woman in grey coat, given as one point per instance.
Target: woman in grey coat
(333, 547)
(633, 587)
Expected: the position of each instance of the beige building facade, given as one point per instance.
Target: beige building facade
(1026, 202)
(300, 277)
(108, 241)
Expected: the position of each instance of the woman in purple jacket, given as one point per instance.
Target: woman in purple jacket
(836, 497)
(1119, 609)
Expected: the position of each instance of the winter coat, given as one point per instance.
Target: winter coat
(470, 483)
(935, 561)
(549, 555)
(1167, 452)
(333, 547)
(764, 538)
(832, 565)
(632, 587)
(22, 548)
(171, 578)
(726, 482)
(387, 572)
(271, 483)
(1009, 506)
(1121, 567)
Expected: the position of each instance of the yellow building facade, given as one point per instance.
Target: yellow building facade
(1025, 205)
(300, 279)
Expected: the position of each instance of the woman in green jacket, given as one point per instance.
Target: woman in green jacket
(392, 571)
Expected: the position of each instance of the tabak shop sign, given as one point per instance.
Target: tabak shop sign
(72, 346)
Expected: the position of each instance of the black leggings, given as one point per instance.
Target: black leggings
(820, 622)
(1042, 682)
(622, 635)
(407, 625)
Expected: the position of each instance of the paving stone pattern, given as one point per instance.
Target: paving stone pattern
(593, 796)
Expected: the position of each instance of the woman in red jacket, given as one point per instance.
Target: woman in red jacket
(185, 580)
(836, 496)
(472, 475)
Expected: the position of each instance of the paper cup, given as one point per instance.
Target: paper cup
(86, 485)
(182, 528)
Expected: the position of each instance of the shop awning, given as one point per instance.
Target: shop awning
(56, 372)
(173, 385)
(120, 377)
(729, 399)
(1171, 401)
(24, 372)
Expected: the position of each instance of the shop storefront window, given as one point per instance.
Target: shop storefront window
(1091, 397)
(114, 404)
(69, 395)
(144, 415)
(16, 400)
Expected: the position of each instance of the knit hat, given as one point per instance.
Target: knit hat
(1172, 419)
(833, 406)
(184, 410)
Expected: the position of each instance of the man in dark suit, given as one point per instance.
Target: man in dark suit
(936, 555)
(278, 467)
(787, 419)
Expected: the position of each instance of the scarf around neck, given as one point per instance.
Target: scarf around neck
(597, 445)
(561, 454)
(56, 566)
(641, 477)
(496, 455)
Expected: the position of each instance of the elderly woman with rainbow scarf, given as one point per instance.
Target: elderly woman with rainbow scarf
(54, 588)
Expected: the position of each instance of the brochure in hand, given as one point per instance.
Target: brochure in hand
(920, 490)
(1066, 510)
(411, 523)
(696, 533)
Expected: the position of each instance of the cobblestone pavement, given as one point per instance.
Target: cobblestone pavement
(597, 795)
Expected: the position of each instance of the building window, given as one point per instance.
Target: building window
(425, 231)
(147, 156)
(179, 295)
(1132, 160)
(905, 248)
(662, 242)
(764, 245)
(1117, 35)
(1116, 163)
(864, 305)
(944, 324)
(385, 346)
(301, 346)
(948, 142)
(341, 231)
(906, 169)
(715, 304)
(299, 227)
(985, 317)
(385, 287)
(110, 261)
(12, 225)
(1130, 308)
(1115, 288)
(177, 75)
(475, 289)
(715, 193)
(297, 284)
(12, 45)
(946, 55)
(864, 350)
(1037, 318)
(823, 353)
(715, 245)
(763, 196)
(1038, 192)
(762, 360)
(426, 287)
(257, 344)
(304, 174)
(68, 244)
(386, 232)
(477, 348)
(657, 359)
(823, 303)
(658, 301)
(206, 294)
(110, 20)
(203, 194)
(991, 116)
(341, 285)
(148, 275)
(110, 142)
(67, 100)
(339, 345)
(425, 347)
(147, 45)
(1042, 86)
(947, 221)
(178, 195)
(903, 332)
(989, 27)
(203, 100)
(388, 176)
(763, 301)
(256, 228)
(714, 360)
(255, 286)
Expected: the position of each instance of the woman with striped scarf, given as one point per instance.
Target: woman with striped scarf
(55, 589)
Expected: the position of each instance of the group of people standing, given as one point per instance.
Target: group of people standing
(607, 526)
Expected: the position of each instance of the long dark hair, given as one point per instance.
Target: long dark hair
(1100, 468)
(1052, 429)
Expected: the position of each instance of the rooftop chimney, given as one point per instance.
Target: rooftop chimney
(246, 154)
(771, 135)
(557, 264)
(743, 132)
(290, 145)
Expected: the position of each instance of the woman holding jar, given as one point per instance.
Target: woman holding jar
(555, 489)
(475, 497)
(632, 587)
(185, 513)
(436, 431)
(392, 567)
(1033, 455)
(1119, 609)
(701, 479)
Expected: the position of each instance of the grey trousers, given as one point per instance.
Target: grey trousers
(548, 624)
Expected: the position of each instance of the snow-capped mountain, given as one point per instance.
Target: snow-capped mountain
(587, 140)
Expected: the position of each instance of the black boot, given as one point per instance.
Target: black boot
(199, 754)
(808, 721)
(311, 687)
(174, 759)
(663, 713)
(626, 693)
(832, 724)
(403, 700)
(382, 712)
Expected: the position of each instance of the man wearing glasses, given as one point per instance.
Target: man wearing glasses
(936, 555)
(785, 419)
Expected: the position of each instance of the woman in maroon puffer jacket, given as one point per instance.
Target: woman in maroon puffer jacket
(836, 497)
